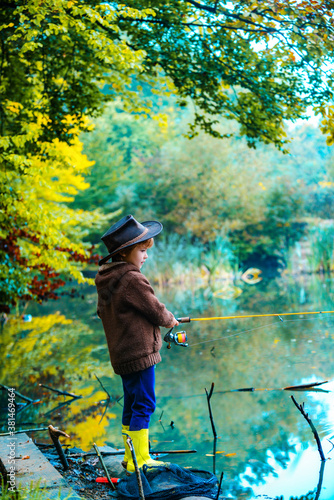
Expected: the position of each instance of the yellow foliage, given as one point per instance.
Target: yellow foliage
(162, 119)
(14, 107)
(91, 430)
(324, 184)
(38, 325)
(25, 343)
(89, 399)
(51, 178)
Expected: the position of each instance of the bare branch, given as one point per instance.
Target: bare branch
(104, 466)
(208, 396)
(314, 430)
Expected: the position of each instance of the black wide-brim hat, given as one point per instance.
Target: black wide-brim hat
(127, 232)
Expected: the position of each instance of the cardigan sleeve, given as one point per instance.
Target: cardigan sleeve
(140, 295)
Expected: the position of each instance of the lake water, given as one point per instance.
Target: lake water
(265, 447)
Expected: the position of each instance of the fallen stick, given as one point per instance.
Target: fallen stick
(104, 466)
(55, 434)
(314, 430)
(135, 463)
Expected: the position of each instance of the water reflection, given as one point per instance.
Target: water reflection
(263, 445)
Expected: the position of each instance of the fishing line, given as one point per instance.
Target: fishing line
(235, 334)
(320, 318)
(180, 338)
(188, 319)
(274, 323)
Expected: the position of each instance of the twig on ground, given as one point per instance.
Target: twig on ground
(140, 484)
(55, 434)
(104, 466)
(309, 421)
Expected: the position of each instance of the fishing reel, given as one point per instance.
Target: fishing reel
(177, 338)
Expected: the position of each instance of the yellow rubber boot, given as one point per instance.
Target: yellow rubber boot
(127, 452)
(141, 447)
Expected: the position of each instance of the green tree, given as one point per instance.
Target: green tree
(53, 64)
(199, 188)
(259, 63)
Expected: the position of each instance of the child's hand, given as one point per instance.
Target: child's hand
(176, 323)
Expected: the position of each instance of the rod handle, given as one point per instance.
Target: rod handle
(186, 319)
(114, 480)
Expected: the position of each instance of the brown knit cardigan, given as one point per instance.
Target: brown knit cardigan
(131, 315)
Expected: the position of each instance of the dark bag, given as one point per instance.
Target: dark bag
(169, 482)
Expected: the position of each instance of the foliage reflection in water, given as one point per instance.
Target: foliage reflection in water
(264, 445)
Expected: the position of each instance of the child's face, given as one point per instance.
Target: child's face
(137, 256)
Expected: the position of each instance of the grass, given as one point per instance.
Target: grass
(32, 492)
(321, 258)
(175, 260)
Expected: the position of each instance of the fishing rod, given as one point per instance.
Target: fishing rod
(278, 315)
(180, 338)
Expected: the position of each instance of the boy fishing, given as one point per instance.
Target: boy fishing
(131, 315)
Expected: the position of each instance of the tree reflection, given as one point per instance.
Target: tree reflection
(63, 354)
(255, 428)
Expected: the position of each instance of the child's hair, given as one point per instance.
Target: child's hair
(145, 244)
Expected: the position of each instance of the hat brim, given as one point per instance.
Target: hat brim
(154, 228)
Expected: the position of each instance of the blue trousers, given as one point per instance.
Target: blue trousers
(139, 398)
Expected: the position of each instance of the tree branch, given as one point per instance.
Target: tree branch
(314, 430)
(200, 6)
(208, 396)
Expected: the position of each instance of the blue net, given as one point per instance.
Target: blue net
(169, 482)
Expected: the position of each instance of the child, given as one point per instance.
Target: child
(131, 315)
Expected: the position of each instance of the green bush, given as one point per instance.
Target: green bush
(321, 258)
